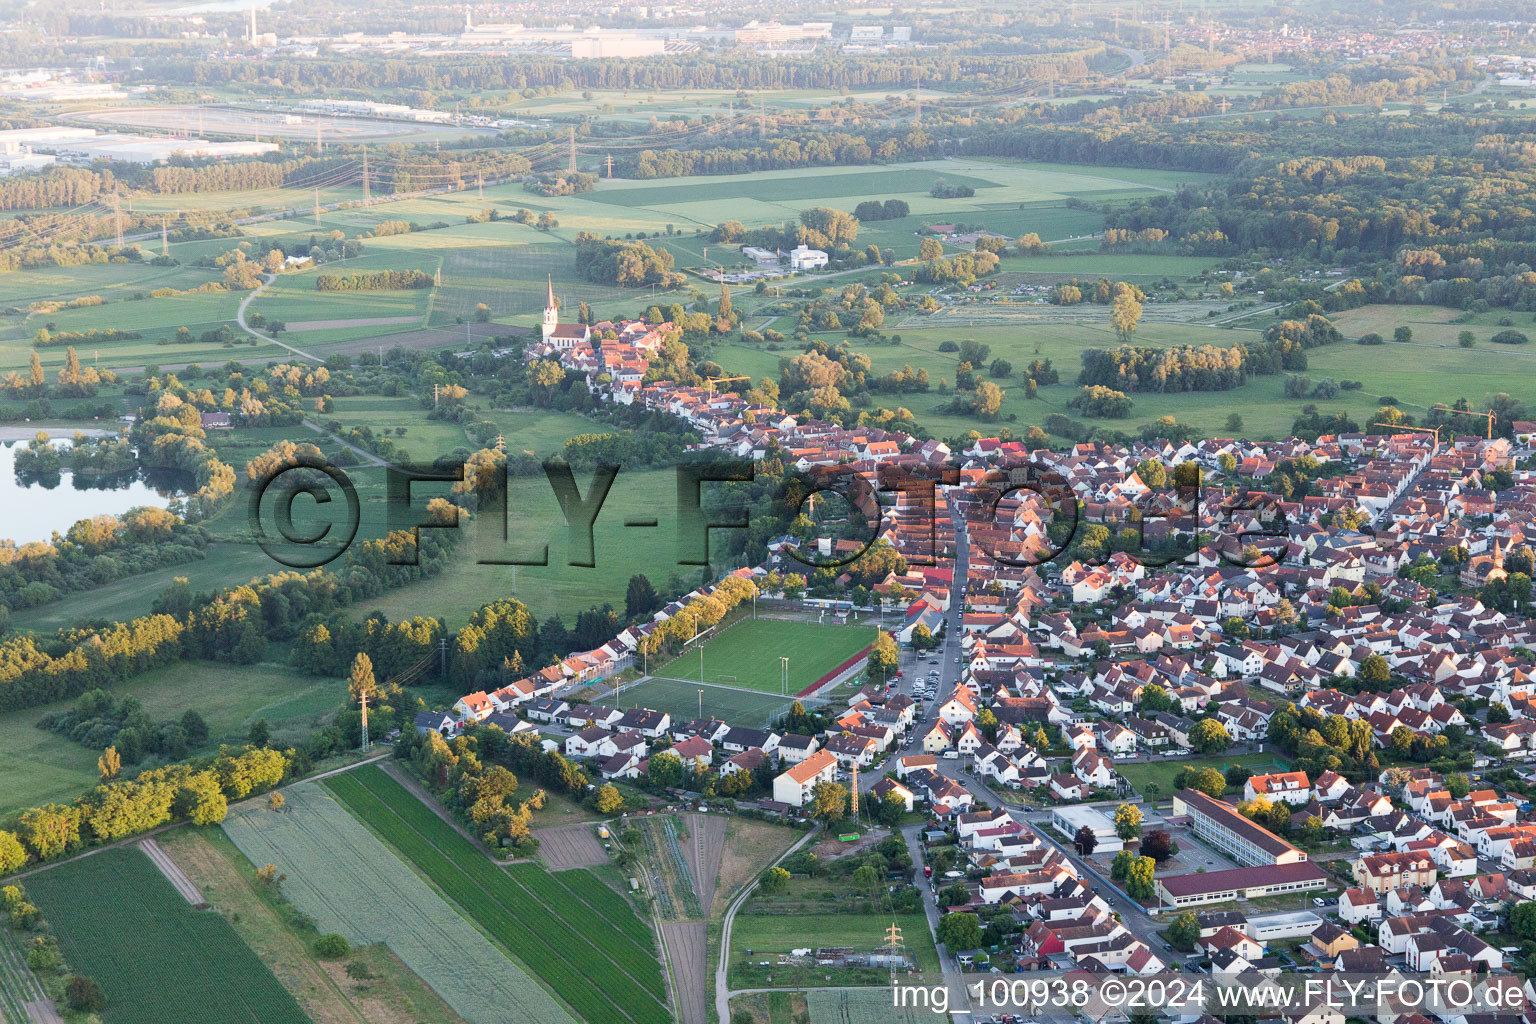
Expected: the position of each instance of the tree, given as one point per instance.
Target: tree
(1312, 830)
(891, 809)
(1457, 785)
(1138, 878)
(1158, 845)
(1125, 315)
(1498, 713)
(1209, 781)
(829, 802)
(1208, 736)
(1466, 339)
(930, 249)
(1127, 822)
(331, 946)
(1375, 672)
(640, 599)
(260, 734)
(360, 679)
(82, 993)
(665, 769)
(1085, 841)
(987, 400)
(12, 854)
(195, 728)
(883, 657)
(959, 932)
(609, 800)
(1184, 931)
(1154, 699)
(1522, 920)
(956, 895)
(109, 764)
(774, 879)
(1234, 423)
(1402, 335)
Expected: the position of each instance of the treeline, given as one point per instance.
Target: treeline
(498, 73)
(233, 625)
(94, 552)
(373, 280)
(1134, 368)
(804, 148)
(198, 791)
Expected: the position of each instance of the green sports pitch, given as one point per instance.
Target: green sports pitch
(746, 655)
(684, 701)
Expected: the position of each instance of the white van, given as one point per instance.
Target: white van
(951, 755)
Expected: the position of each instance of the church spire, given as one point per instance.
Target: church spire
(550, 302)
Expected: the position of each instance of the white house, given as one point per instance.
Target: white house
(794, 786)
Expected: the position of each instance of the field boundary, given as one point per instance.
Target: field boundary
(830, 676)
(173, 874)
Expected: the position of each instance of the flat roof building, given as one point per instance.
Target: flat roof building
(1239, 883)
(1070, 818)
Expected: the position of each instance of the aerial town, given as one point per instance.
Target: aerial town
(580, 513)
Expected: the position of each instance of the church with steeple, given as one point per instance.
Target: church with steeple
(561, 335)
(1486, 568)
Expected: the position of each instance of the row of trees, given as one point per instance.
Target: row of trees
(373, 280)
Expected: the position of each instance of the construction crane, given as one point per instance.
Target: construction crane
(1398, 427)
(712, 381)
(1489, 415)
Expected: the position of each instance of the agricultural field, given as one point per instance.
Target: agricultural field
(746, 654)
(771, 1007)
(617, 979)
(106, 910)
(831, 1007)
(1162, 773)
(349, 882)
(40, 766)
(681, 699)
(391, 994)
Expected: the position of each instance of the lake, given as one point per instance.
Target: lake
(35, 509)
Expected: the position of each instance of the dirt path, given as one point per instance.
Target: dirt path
(253, 332)
(706, 844)
(43, 1012)
(323, 990)
(686, 943)
(564, 847)
(436, 807)
(189, 892)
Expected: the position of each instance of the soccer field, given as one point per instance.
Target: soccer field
(747, 654)
(682, 700)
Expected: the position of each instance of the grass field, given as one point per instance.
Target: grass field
(681, 700)
(616, 979)
(768, 935)
(40, 766)
(1162, 773)
(393, 995)
(750, 651)
(351, 883)
(107, 910)
(556, 588)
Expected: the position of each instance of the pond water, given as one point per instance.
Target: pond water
(33, 509)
